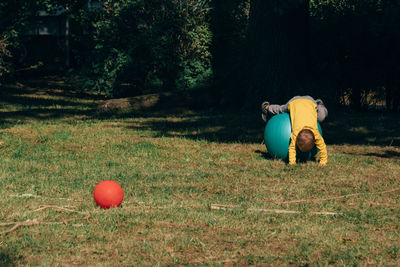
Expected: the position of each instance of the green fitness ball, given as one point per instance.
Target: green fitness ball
(277, 138)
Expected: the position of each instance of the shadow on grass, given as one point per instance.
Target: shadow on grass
(363, 128)
(235, 126)
(6, 259)
(21, 101)
(27, 101)
(214, 126)
(217, 125)
(26, 107)
(384, 154)
(264, 154)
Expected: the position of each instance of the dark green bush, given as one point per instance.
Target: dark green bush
(150, 45)
(4, 56)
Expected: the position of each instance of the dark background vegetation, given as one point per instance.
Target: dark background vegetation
(238, 53)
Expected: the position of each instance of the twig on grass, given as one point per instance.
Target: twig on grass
(228, 207)
(25, 223)
(36, 196)
(337, 197)
(18, 224)
(57, 208)
(37, 221)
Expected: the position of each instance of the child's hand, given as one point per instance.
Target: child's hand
(322, 164)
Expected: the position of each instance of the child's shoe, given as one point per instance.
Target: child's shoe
(264, 111)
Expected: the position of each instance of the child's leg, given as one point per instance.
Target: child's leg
(278, 109)
(267, 109)
(322, 111)
(275, 109)
(264, 111)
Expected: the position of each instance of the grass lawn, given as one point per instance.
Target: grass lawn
(173, 166)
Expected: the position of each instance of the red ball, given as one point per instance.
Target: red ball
(108, 194)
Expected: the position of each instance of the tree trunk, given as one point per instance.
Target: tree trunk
(392, 55)
(276, 62)
(229, 25)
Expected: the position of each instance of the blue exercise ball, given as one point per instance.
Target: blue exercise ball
(277, 138)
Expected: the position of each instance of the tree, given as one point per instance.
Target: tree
(391, 43)
(229, 20)
(277, 51)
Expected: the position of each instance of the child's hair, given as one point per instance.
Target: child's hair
(305, 140)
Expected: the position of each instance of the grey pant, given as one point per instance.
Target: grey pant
(322, 111)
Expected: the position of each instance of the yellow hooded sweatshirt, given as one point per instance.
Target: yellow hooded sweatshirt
(303, 115)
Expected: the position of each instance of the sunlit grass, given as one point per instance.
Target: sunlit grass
(172, 167)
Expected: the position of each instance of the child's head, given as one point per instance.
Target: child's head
(305, 140)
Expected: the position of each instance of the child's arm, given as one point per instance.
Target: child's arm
(320, 143)
(292, 150)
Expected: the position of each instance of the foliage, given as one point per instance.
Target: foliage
(150, 41)
(134, 43)
(108, 71)
(194, 46)
(12, 20)
(4, 55)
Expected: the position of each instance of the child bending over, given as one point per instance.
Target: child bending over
(304, 113)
